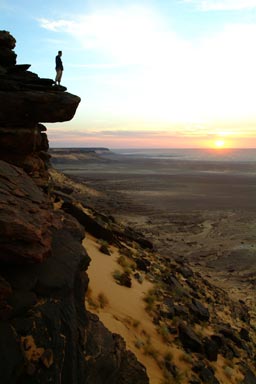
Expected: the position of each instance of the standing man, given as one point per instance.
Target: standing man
(59, 68)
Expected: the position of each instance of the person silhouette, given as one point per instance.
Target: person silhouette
(59, 68)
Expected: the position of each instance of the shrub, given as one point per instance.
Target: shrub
(103, 300)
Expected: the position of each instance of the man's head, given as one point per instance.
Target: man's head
(59, 53)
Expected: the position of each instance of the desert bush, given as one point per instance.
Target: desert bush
(135, 323)
(164, 332)
(186, 357)
(122, 278)
(91, 302)
(103, 300)
(168, 357)
(228, 371)
(150, 350)
(117, 274)
(150, 300)
(138, 343)
(127, 252)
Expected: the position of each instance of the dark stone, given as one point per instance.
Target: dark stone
(18, 68)
(89, 223)
(211, 349)
(104, 249)
(249, 378)
(185, 271)
(167, 315)
(199, 311)
(189, 339)
(21, 301)
(130, 234)
(109, 362)
(175, 285)
(244, 334)
(207, 376)
(233, 335)
(11, 358)
(142, 264)
(7, 40)
(181, 311)
(22, 325)
(7, 57)
(125, 280)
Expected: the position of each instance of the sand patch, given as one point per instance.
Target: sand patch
(124, 311)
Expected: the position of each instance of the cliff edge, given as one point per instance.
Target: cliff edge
(46, 333)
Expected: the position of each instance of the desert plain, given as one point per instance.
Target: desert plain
(199, 213)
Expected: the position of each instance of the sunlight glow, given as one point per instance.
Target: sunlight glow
(219, 144)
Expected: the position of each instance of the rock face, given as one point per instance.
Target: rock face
(46, 333)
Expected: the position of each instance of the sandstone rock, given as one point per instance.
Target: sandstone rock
(24, 218)
(32, 107)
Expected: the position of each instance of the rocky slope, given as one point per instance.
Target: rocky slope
(46, 333)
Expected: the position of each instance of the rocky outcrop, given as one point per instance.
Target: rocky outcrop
(46, 333)
(27, 101)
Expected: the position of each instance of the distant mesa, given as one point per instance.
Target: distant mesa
(80, 150)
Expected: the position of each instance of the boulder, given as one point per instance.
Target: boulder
(189, 339)
(198, 310)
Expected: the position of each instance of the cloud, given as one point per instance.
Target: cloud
(161, 77)
(130, 34)
(222, 5)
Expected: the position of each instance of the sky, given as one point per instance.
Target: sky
(150, 73)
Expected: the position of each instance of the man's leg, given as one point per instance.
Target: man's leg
(58, 76)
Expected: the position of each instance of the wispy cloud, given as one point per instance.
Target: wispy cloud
(128, 34)
(222, 5)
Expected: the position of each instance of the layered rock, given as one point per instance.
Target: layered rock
(46, 334)
(26, 101)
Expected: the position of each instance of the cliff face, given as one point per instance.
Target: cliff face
(46, 334)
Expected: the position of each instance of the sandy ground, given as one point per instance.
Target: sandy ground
(124, 311)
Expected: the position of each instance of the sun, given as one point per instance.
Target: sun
(219, 143)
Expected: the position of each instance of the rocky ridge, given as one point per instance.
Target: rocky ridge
(46, 333)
